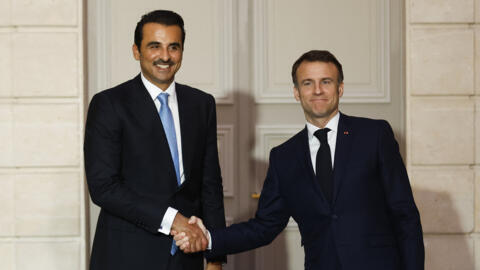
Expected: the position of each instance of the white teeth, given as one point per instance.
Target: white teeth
(162, 66)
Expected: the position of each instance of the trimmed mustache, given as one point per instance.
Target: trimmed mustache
(161, 62)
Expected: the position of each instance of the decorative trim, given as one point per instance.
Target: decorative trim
(263, 134)
(224, 66)
(226, 56)
(377, 92)
(100, 72)
(260, 55)
(225, 138)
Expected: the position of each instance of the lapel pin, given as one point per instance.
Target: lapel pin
(345, 133)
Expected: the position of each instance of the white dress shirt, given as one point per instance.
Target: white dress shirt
(154, 91)
(314, 142)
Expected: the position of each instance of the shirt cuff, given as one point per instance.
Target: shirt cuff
(167, 221)
(209, 247)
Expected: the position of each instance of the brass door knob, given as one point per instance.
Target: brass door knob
(255, 195)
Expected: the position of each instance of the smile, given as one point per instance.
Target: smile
(162, 66)
(319, 99)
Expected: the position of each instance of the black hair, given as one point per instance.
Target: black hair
(317, 56)
(165, 17)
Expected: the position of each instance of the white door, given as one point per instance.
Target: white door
(241, 52)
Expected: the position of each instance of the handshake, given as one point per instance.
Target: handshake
(190, 235)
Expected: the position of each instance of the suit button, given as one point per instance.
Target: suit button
(334, 216)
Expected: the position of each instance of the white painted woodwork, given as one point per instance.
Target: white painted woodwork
(242, 53)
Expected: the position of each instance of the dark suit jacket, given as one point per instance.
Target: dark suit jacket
(372, 223)
(131, 176)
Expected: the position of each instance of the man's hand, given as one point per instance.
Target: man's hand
(183, 241)
(214, 266)
(196, 237)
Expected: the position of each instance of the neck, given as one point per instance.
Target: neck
(163, 86)
(321, 122)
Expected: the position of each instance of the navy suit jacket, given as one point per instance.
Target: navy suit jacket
(131, 176)
(372, 222)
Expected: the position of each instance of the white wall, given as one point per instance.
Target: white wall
(42, 221)
(442, 127)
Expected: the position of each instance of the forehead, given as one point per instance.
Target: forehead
(161, 33)
(316, 69)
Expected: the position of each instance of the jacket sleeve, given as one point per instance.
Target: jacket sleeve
(404, 213)
(270, 219)
(103, 165)
(212, 189)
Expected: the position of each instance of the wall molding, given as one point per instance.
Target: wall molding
(226, 57)
(264, 134)
(99, 57)
(225, 138)
(100, 74)
(378, 91)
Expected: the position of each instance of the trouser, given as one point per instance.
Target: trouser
(175, 262)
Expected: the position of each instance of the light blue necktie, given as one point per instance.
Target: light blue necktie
(169, 128)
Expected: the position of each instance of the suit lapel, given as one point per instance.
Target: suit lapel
(145, 110)
(187, 119)
(342, 153)
(147, 117)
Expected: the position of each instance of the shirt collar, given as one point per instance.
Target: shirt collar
(332, 125)
(154, 90)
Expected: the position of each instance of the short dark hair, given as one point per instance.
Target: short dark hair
(165, 17)
(317, 56)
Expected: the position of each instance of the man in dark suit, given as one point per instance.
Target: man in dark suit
(151, 159)
(343, 181)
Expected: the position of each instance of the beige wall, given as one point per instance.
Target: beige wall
(41, 124)
(442, 127)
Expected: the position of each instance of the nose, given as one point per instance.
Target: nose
(318, 89)
(164, 54)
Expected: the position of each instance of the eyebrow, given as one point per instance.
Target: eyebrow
(174, 44)
(154, 43)
(322, 79)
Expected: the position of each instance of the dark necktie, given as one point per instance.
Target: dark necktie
(323, 166)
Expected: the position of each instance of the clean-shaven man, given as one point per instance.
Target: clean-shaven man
(343, 181)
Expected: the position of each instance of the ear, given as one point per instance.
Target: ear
(340, 90)
(296, 93)
(136, 52)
